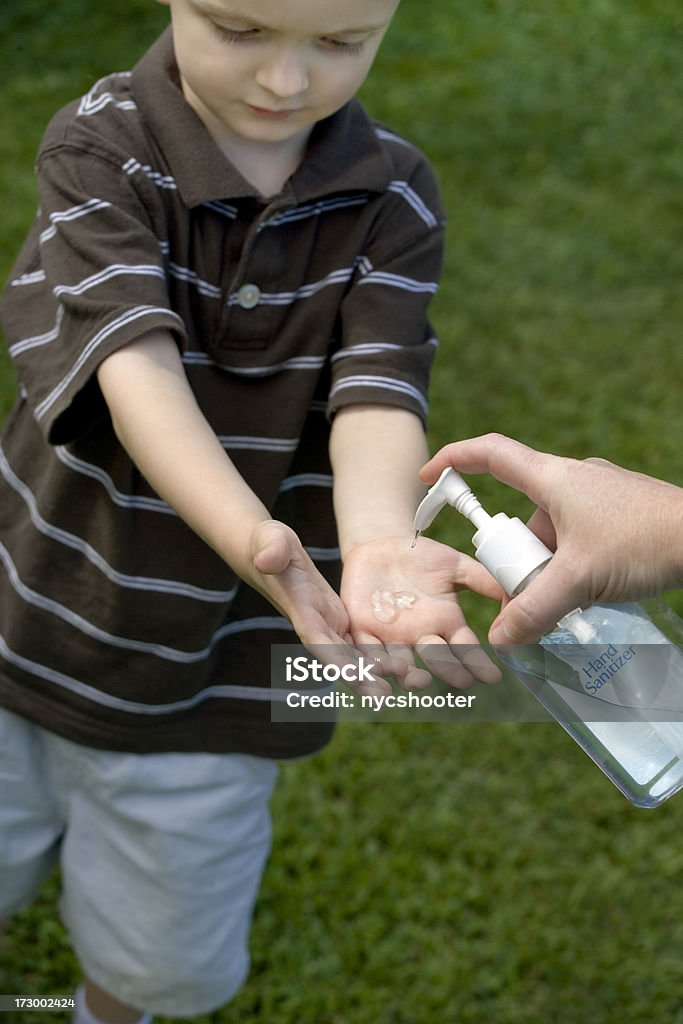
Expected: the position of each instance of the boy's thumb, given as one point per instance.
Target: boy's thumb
(273, 553)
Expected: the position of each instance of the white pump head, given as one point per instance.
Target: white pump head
(449, 489)
(506, 547)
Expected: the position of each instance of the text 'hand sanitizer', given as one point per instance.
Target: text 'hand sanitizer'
(612, 675)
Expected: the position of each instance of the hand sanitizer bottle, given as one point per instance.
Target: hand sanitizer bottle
(612, 675)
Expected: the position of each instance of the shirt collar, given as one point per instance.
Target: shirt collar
(344, 153)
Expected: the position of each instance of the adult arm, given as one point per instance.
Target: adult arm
(618, 535)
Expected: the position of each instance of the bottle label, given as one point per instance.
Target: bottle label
(620, 657)
(600, 672)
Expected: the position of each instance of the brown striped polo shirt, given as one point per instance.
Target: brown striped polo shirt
(119, 627)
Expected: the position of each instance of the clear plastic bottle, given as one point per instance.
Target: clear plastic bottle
(611, 675)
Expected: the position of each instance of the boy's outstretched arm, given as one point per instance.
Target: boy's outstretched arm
(159, 423)
(376, 453)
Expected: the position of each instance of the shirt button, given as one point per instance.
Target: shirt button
(248, 296)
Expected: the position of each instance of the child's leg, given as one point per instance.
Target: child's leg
(30, 821)
(161, 864)
(161, 861)
(95, 1006)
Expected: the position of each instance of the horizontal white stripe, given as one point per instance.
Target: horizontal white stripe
(382, 133)
(403, 189)
(306, 480)
(83, 625)
(68, 459)
(304, 292)
(35, 278)
(223, 208)
(374, 348)
(39, 339)
(132, 166)
(258, 693)
(82, 210)
(94, 100)
(130, 316)
(203, 287)
(406, 284)
(323, 554)
(87, 109)
(261, 444)
(315, 209)
(364, 265)
(115, 270)
(163, 586)
(383, 383)
(295, 363)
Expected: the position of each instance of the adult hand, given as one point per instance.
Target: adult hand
(618, 535)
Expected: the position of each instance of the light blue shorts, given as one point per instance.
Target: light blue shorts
(161, 857)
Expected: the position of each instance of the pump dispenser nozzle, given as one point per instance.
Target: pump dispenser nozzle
(508, 548)
(449, 489)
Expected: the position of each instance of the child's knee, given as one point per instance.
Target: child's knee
(185, 985)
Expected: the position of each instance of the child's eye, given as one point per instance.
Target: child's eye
(343, 46)
(234, 35)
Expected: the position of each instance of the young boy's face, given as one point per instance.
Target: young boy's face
(265, 71)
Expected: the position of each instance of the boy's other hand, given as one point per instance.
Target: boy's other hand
(286, 575)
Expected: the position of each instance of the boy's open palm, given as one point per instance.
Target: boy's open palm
(285, 574)
(400, 595)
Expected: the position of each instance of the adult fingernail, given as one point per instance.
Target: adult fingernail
(499, 634)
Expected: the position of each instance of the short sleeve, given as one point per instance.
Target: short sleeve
(89, 279)
(387, 341)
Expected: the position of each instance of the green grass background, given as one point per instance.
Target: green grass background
(434, 873)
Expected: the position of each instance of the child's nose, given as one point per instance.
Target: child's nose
(283, 76)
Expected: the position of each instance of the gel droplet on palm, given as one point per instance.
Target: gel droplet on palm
(387, 604)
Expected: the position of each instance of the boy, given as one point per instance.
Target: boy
(228, 255)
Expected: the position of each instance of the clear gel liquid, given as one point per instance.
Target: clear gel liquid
(387, 605)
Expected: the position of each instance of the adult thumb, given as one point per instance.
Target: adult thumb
(538, 609)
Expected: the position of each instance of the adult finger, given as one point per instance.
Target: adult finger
(552, 595)
(509, 461)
